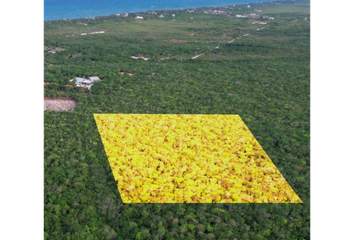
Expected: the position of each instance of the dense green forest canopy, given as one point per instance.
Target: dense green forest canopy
(259, 71)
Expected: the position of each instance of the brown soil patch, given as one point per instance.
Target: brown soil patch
(178, 41)
(59, 104)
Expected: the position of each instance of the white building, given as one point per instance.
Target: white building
(139, 17)
(94, 78)
(86, 82)
(79, 81)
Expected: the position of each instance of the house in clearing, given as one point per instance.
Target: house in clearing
(84, 82)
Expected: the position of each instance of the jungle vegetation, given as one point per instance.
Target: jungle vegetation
(260, 72)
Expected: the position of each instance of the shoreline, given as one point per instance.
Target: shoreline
(163, 10)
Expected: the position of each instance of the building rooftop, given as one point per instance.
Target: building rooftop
(78, 79)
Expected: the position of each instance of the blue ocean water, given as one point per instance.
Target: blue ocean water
(71, 9)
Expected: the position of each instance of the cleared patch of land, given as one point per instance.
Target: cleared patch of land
(59, 104)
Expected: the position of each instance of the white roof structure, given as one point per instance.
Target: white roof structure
(78, 79)
(86, 81)
(94, 78)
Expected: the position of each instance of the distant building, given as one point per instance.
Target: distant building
(139, 17)
(253, 15)
(161, 16)
(217, 12)
(94, 79)
(85, 83)
(78, 80)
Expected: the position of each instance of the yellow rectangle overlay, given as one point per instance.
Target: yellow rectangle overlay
(179, 158)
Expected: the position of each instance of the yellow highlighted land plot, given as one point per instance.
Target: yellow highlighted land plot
(178, 158)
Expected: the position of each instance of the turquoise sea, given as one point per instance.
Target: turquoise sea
(71, 9)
